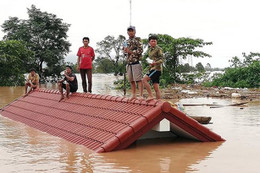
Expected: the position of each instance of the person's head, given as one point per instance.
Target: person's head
(32, 71)
(68, 69)
(153, 40)
(85, 41)
(131, 31)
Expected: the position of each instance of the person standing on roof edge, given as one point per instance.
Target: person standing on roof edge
(71, 84)
(134, 52)
(86, 56)
(155, 54)
(32, 81)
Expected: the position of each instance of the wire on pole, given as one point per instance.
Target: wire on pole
(130, 1)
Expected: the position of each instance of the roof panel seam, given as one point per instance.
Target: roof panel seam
(98, 107)
(98, 117)
(56, 127)
(65, 119)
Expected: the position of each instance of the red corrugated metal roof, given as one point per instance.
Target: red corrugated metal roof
(100, 122)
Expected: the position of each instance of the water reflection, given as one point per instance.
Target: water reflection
(161, 155)
(240, 129)
(35, 151)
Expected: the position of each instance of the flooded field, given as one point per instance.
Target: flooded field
(25, 149)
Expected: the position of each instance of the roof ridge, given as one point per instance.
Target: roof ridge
(106, 97)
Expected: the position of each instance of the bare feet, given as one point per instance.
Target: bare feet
(62, 97)
(141, 98)
(132, 98)
(67, 95)
(149, 99)
(25, 95)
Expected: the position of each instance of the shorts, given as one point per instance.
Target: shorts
(134, 72)
(34, 86)
(154, 75)
(72, 87)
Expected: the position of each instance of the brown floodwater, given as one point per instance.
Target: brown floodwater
(25, 149)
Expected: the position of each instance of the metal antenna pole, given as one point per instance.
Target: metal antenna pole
(130, 12)
(124, 87)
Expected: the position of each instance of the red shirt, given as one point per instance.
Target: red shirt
(86, 54)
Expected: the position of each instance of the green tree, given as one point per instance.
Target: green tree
(104, 65)
(185, 68)
(111, 48)
(246, 60)
(208, 67)
(15, 59)
(200, 67)
(44, 34)
(235, 62)
(176, 49)
(241, 73)
(249, 59)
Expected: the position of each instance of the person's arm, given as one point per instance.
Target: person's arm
(78, 63)
(68, 77)
(62, 80)
(138, 51)
(37, 83)
(159, 59)
(28, 78)
(93, 55)
(78, 60)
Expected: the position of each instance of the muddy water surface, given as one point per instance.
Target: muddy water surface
(24, 149)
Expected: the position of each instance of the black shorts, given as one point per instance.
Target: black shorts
(72, 87)
(154, 75)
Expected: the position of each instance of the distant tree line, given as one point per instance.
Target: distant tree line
(243, 73)
(41, 42)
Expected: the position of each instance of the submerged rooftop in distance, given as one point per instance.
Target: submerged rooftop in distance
(102, 123)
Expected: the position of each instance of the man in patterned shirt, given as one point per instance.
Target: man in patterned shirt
(134, 52)
(156, 55)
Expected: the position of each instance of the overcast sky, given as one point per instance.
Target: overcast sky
(232, 25)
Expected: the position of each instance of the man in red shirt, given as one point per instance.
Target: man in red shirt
(84, 64)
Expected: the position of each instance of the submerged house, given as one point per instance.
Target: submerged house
(103, 123)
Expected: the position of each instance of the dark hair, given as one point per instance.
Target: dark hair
(32, 69)
(153, 37)
(85, 38)
(69, 66)
(131, 28)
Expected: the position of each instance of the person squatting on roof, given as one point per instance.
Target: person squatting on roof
(71, 83)
(155, 53)
(32, 81)
(84, 64)
(134, 52)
